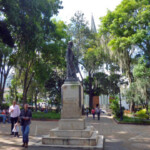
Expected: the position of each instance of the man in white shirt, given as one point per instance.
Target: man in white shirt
(14, 111)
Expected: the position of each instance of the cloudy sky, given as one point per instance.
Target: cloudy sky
(96, 7)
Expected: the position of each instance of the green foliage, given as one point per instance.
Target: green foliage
(124, 29)
(42, 115)
(142, 114)
(139, 89)
(79, 32)
(30, 25)
(7, 59)
(115, 108)
(99, 84)
(134, 120)
(4, 106)
(102, 84)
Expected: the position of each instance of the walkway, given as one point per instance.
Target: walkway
(118, 137)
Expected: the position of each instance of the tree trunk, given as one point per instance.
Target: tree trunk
(131, 79)
(36, 101)
(1, 96)
(24, 87)
(2, 89)
(90, 91)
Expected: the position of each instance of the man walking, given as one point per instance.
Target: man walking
(98, 111)
(25, 117)
(14, 111)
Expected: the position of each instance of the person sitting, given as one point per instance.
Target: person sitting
(3, 115)
(7, 116)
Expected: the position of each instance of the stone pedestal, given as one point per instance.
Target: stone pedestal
(72, 99)
(71, 131)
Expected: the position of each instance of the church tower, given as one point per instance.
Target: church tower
(93, 27)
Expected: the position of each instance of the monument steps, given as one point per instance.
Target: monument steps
(99, 146)
(91, 141)
(86, 133)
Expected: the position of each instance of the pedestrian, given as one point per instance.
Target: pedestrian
(3, 115)
(87, 111)
(14, 111)
(98, 111)
(93, 113)
(8, 116)
(25, 117)
(16, 129)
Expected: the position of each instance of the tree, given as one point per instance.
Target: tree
(7, 58)
(99, 84)
(79, 32)
(34, 69)
(31, 28)
(91, 65)
(142, 75)
(54, 83)
(113, 79)
(124, 31)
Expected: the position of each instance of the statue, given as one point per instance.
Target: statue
(72, 64)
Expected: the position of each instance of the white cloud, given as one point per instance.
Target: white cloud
(96, 7)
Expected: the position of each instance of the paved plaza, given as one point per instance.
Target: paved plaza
(117, 137)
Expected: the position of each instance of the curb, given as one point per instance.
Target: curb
(45, 119)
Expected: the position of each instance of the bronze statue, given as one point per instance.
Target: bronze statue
(72, 64)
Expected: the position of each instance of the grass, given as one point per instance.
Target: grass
(127, 119)
(42, 115)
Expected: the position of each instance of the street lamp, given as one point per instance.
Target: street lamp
(119, 84)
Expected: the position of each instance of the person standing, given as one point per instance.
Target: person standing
(14, 111)
(25, 117)
(93, 113)
(87, 111)
(98, 111)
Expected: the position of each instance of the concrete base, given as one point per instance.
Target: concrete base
(91, 141)
(98, 146)
(72, 133)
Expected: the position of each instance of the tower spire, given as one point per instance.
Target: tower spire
(93, 27)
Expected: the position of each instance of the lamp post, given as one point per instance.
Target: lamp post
(119, 84)
(121, 113)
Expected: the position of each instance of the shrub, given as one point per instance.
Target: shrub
(116, 109)
(4, 106)
(142, 114)
(127, 112)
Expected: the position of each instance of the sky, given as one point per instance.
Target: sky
(96, 7)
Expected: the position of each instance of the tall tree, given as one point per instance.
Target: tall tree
(142, 75)
(125, 31)
(7, 58)
(30, 26)
(79, 32)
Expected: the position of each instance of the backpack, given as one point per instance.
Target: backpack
(93, 111)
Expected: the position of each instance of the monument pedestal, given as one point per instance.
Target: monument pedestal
(71, 131)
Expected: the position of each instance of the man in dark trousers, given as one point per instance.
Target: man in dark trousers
(25, 117)
(14, 111)
(98, 111)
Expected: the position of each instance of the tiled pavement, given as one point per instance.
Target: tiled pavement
(118, 137)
